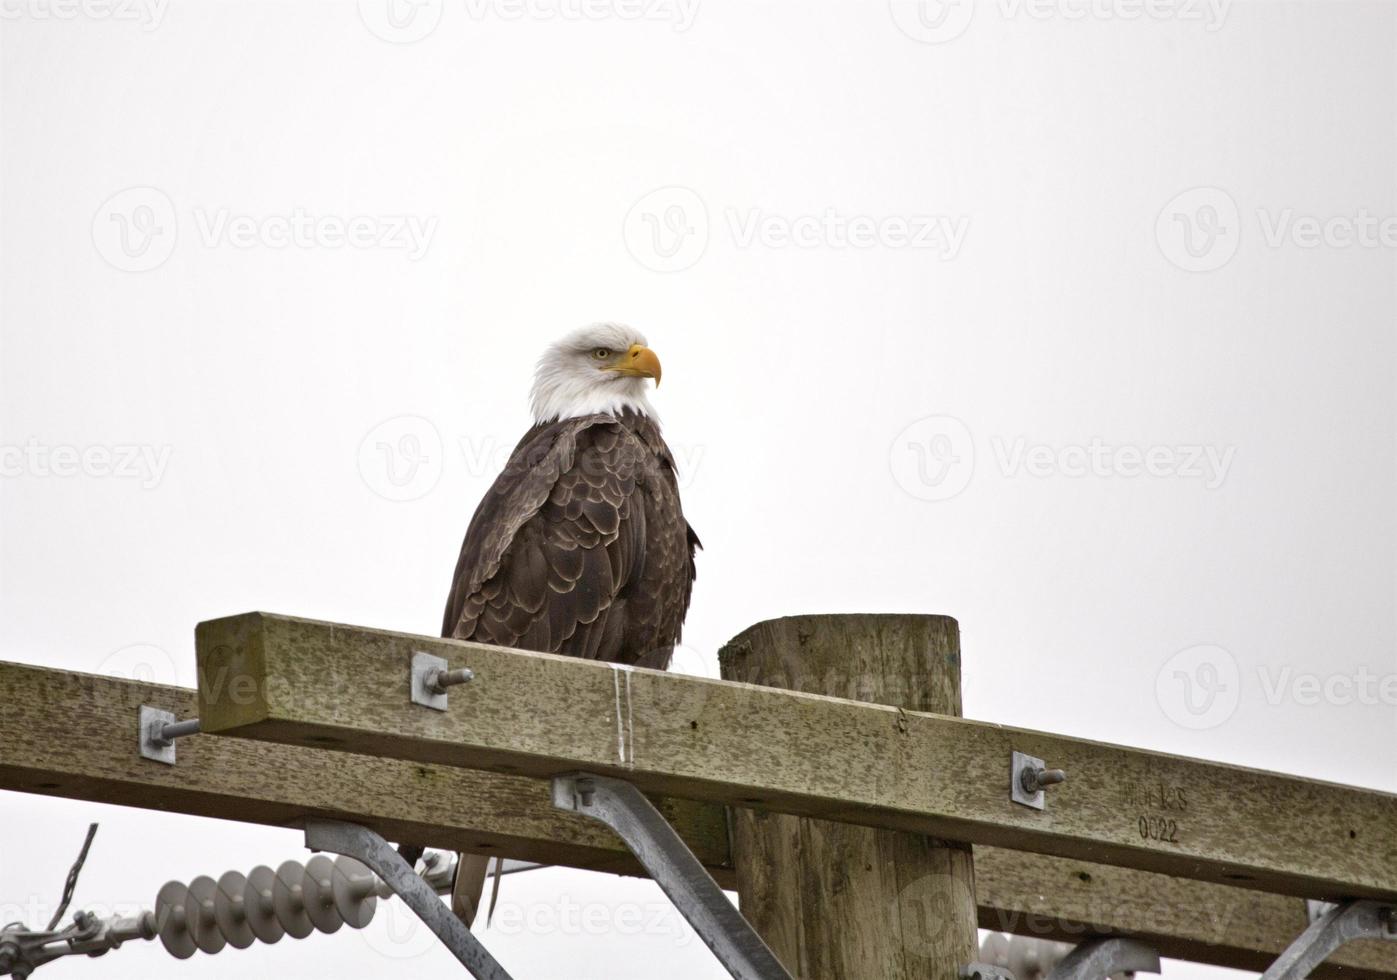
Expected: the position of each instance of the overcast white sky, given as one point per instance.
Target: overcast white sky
(1072, 320)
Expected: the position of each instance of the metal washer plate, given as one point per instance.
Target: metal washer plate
(1019, 762)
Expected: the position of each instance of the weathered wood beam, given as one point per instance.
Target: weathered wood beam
(74, 735)
(302, 682)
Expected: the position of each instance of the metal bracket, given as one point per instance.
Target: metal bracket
(158, 731)
(1028, 776)
(1097, 959)
(1315, 909)
(369, 848)
(679, 874)
(429, 679)
(1364, 919)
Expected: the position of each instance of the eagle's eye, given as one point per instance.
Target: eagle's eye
(601, 353)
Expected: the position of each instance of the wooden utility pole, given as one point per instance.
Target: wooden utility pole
(837, 901)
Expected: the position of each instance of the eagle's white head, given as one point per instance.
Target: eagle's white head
(597, 370)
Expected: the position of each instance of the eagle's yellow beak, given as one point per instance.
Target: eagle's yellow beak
(638, 362)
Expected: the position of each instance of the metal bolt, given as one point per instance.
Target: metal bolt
(437, 680)
(586, 791)
(1032, 780)
(168, 732)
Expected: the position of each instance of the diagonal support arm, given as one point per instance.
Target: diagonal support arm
(669, 861)
(368, 847)
(1341, 924)
(1098, 959)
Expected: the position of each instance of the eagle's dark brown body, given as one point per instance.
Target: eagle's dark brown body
(580, 547)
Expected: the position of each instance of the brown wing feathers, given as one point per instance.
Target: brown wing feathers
(580, 547)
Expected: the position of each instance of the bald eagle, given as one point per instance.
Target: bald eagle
(580, 547)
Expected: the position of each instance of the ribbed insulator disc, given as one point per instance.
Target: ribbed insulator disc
(258, 904)
(229, 910)
(198, 912)
(319, 887)
(354, 888)
(169, 919)
(288, 901)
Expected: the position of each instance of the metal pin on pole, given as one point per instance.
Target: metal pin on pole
(158, 731)
(429, 679)
(439, 680)
(1035, 779)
